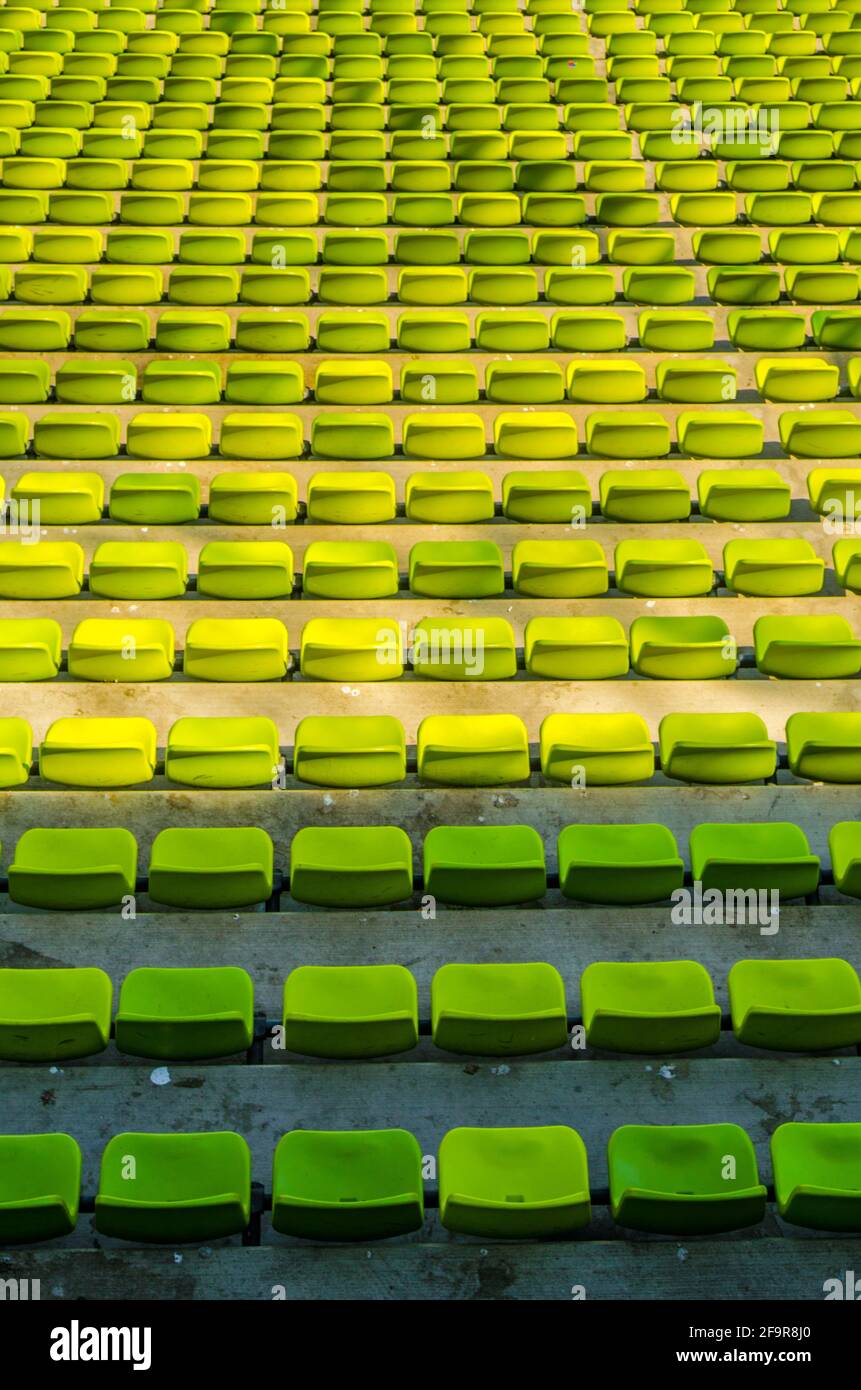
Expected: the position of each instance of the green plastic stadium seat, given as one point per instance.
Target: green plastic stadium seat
(345, 498)
(112, 330)
(245, 570)
(40, 569)
(718, 748)
(350, 569)
(40, 1186)
(352, 649)
(193, 330)
(349, 750)
(836, 328)
(616, 382)
(816, 1175)
(835, 492)
(481, 750)
(596, 749)
(484, 865)
(694, 648)
(576, 648)
(96, 383)
(534, 382)
(514, 1183)
(773, 855)
(211, 868)
(121, 649)
(724, 434)
(351, 1185)
(350, 1011)
(545, 496)
(521, 330)
(154, 499)
(357, 436)
(189, 1187)
(16, 752)
(351, 383)
(795, 1005)
(450, 383)
(192, 382)
(448, 436)
(53, 1015)
(236, 649)
(98, 752)
(663, 569)
(766, 330)
(30, 648)
(675, 330)
(464, 649)
(456, 569)
(73, 870)
(773, 569)
(62, 499)
(727, 246)
(597, 331)
(627, 435)
(353, 867)
(169, 437)
(185, 1013)
(559, 569)
(797, 379)
(498, 1010)
(253, 499)
(821, 433)
(211, 752)
(24, 383)
(672, 1179)
(618, 863)
(701, 381)
(647, 495)
(138, 570)
(825, 747)
(649, 1006)
(801, 647)
(744, 284)
(743, 494)
(454, 497)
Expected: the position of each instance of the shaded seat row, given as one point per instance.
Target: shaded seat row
(474, 866)
(358, 1011)
(529, 1182)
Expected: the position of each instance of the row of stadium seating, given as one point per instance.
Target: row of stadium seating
(802, 647)
(472, 750)
(364, 1185)
(358, 1011)
(526, 434)
(437, 569)
(364, 331)
(372, 866)
(536, 381)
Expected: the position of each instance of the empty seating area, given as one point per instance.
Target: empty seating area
(477, 382)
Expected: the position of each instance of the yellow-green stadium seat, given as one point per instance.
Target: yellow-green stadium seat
(649, 1006)
(352, 866)
(352, 499)
(122, 649)
(484, 865)
(236, 649)
(545, 496)
(743, 494)
(30, 649)
(821, 647)
(73, 870)
(352, 649)
(663, 569)
(596, 749)
(40, 570)
(576, 648)
(644, 494)
(253, 499)
(773, 568)
(156, 498)
(138, 570)
(716, 748)
(456, 569)
(98, 752)
(349, 569)
(211, 867)
(619, 863)
(63, 499)
(464, 649)
(222, 752)
(820, 433)
(349, 750)
(692, 648)
(559, 569)
(245, 570)
(482, 750)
